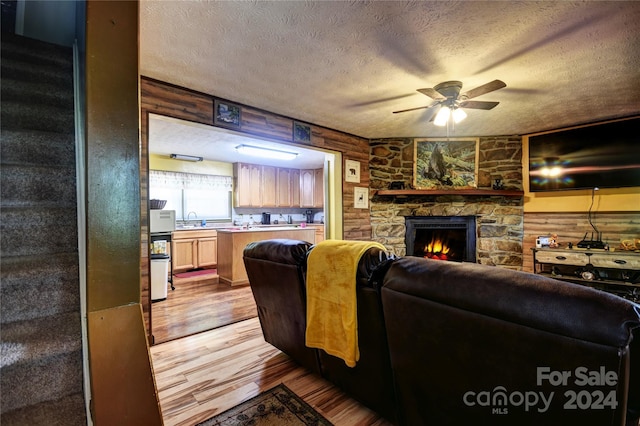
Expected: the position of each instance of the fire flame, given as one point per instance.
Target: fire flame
(436, 249)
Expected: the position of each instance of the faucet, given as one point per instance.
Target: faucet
(189, 215)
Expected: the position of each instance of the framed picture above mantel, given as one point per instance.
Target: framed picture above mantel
(445, 163)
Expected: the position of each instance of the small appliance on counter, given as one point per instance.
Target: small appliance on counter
(162, 221)
(266, 218)
(309, 216)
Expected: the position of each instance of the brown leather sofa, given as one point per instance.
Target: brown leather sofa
(445, 343)
(474, 344)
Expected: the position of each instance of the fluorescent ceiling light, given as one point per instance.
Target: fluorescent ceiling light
(257, 151)
(185, 157)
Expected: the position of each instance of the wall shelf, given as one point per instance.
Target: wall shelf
(466, 192)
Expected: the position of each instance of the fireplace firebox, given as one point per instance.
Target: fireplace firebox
(451, 238)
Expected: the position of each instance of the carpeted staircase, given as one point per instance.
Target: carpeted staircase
(41, 376)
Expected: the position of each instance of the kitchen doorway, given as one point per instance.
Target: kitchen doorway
(203, 303)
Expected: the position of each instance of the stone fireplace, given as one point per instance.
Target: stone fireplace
(451, 238)
(499, 218)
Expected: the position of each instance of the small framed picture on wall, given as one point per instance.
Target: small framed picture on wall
(227, 114)
(352, 171)
(360, 198)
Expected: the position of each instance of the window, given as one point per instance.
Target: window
(208, 196)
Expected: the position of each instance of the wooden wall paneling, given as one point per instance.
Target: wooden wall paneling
(571, 227)
(145, 288)
(164, 99)
(262, 123)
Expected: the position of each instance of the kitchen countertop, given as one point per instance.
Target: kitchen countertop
(257, 227)
(265, 228)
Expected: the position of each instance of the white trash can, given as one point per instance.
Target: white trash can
(159, 277)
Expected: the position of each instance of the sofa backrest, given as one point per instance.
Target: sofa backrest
(276, 269)
(473, 342)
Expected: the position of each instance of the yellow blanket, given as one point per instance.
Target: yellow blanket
(331, 297)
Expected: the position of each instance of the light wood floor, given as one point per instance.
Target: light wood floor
(202, 375)
(199, 304)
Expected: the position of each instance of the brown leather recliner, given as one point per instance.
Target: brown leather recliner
(472, 344)
(276, 271)
(371, 380)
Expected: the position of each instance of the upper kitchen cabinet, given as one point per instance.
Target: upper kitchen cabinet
(312, 188)
(318, 188)
(288, 188)
(269, 186)
(248, 182)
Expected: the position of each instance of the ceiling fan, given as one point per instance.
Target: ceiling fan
(447, 95)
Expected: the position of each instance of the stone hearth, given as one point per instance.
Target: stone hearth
(499, 219)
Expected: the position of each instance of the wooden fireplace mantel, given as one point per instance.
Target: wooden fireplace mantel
(466, 192)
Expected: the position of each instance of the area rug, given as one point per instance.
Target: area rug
(277, 406)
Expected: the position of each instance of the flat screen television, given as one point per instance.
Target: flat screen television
(596, 156)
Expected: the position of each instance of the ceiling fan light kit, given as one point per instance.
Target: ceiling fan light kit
(450, 101)
(442, 117)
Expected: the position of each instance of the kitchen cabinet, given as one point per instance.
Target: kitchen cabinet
(318, 188)
(207, 251)
(319, 230)
(247, 183)
(307, 178)
(295, 187)
(312, 188)
(184, 254)
(194, 249)
(288, 187)
(268, 186)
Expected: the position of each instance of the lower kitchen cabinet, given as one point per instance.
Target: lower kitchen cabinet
(193, 249)
(207, 251)
(184, 253)
(319, 229)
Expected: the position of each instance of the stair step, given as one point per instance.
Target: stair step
(22, 186)
(65, 411)
(37, 92)
(15, 70)
(36, 52)
(37, 356)
(24, 115)
(38, 230)
(39, 286)
(33, 147)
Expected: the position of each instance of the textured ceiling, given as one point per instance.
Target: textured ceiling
(347, 65)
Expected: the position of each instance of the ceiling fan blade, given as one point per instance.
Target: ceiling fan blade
(432, 93)
(414, 109)
(481, 90)
(478, 104)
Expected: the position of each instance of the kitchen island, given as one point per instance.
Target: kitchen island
(232, 241)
